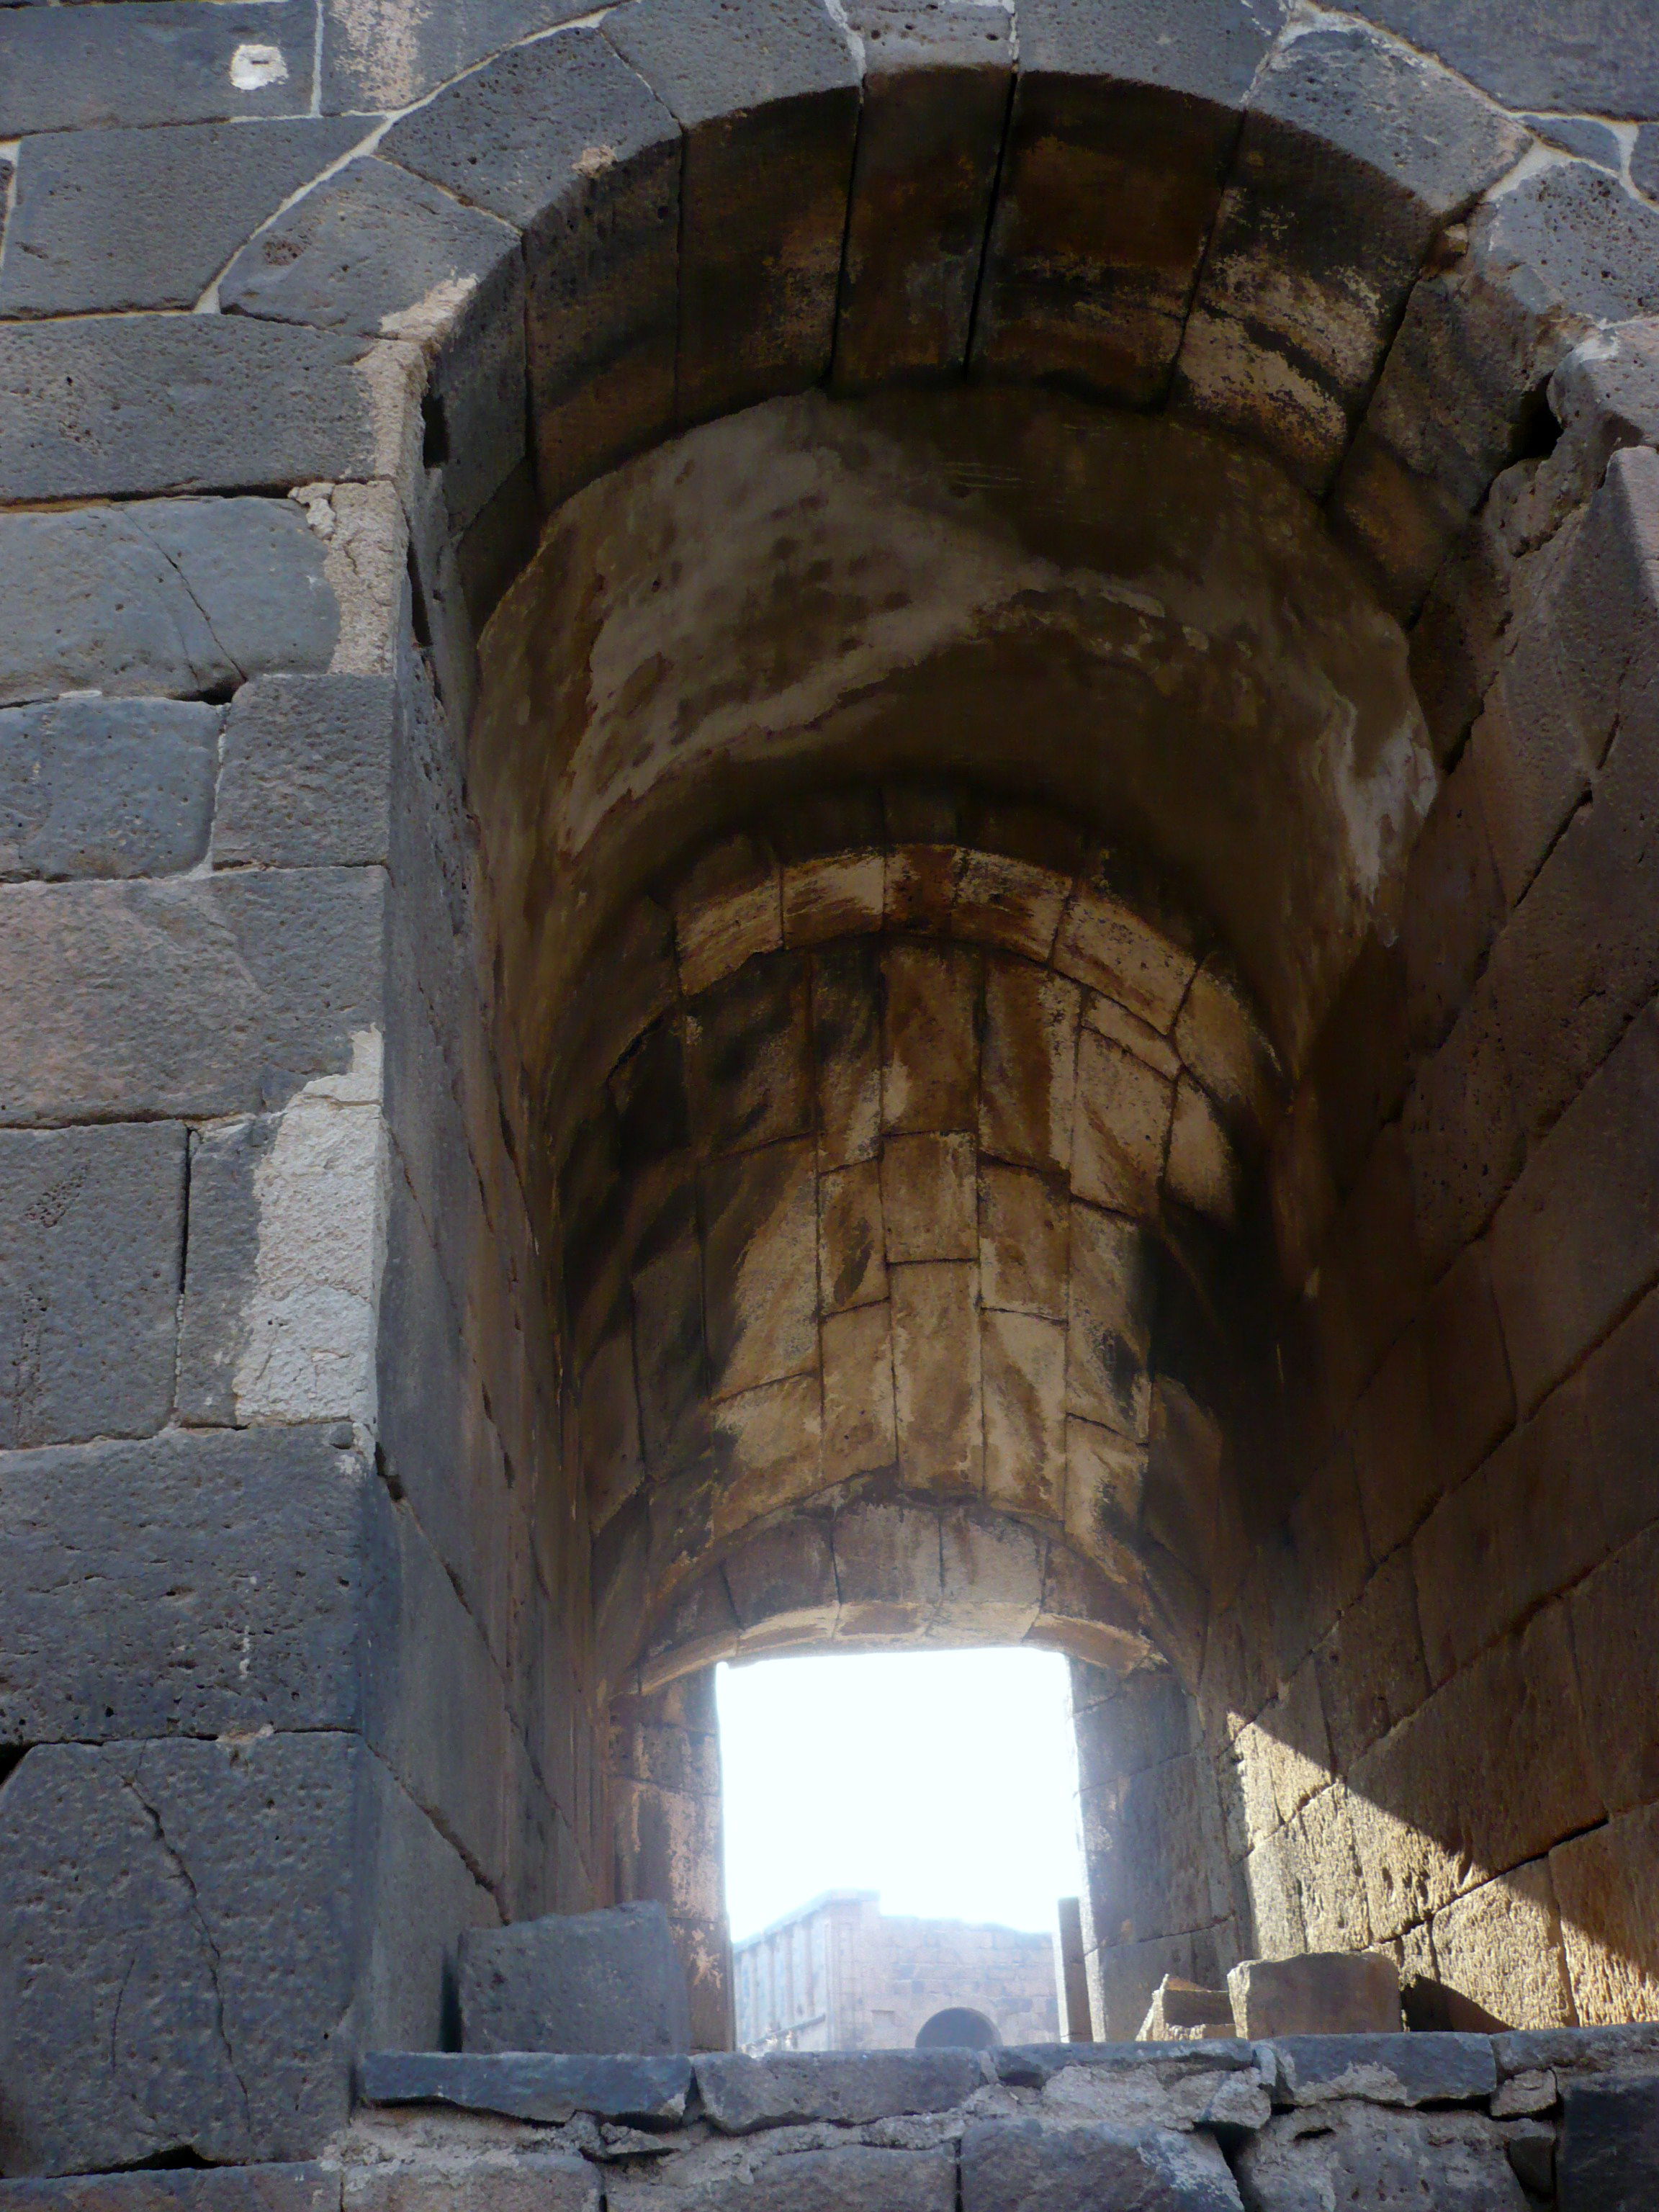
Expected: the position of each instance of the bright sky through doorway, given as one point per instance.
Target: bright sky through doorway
(944, 1779)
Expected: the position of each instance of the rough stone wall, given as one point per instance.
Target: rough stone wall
(665, 1819)
(870, 1199)
(1427, 1697)
(209, 1167)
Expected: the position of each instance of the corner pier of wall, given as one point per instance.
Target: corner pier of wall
(318, 1632)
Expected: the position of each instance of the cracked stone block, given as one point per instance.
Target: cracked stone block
(91, 1231)
(147, 2012)
(773, 90)
(179, 597)
(1115, 113)
(608, 1981)
(123, 219)
(935, 99)
(105, 787)
(1354, 154)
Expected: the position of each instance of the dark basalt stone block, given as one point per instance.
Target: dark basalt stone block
(740, 2093)
(575, 1982)
(550, 2087)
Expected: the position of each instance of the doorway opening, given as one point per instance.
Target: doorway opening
(900, 1831)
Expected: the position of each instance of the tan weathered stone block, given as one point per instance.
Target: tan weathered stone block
(860, 1430)
(782, 1581)
(1103, 945)
(761, 1266)
(1317, 1994)
(1108, 1322)
(1298, 1752)
(1394, 1447)
(837, 895)
(727, 908)
(749, 1058)
(1606, 1887)
(767, 1446)
(852, 1247)
(669, 1351)
(936, 1374)
(1335, 1910)
(887, 1569)
(1203, 1171)
(930, 1070)
(1023, 1366)
(1327, 1536)
(1011, 904)
(1028, 1075)
(1121, 1126)
(1220, 1040)
(1408, 1873)
(1023, 1225)
(1092, 1614)
(1501, 1946)
(921, 885)
(612, 1458)
(928, 1188)
(1107, 1019)
(846, 1051)
(1371, 1672)
(992, 1572)
(1271, 1884)
(1104, 1477)
(1249, 1758)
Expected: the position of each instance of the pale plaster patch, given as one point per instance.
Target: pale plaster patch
(367, 534)
(427, 318)
(309, 1322)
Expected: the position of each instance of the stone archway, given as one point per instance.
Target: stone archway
(336, 1401)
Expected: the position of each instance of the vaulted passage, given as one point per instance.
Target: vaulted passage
(835, 830)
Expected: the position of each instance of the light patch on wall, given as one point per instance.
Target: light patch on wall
(945, 1780)
(308, 1347)
(252, 65)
